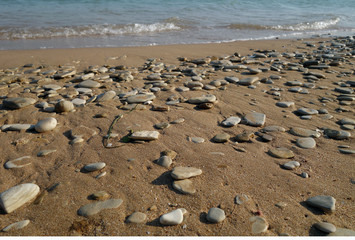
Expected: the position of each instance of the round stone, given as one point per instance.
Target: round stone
(337, 134)
(302, 132)
(89, 84)
(180, 173)
(173, 218)
(281, 153)
(94, 166)
(325, 227)
(197, 140)
(221, 138)
(64, 106)
(285, 104)
(215, 215)
(291, 165)
(260, 225)
(137, 217)
(306, 143)
(17, 102)
(46, 125)
(184, 186)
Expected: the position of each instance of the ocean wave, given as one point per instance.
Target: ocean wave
(86, 31)
(317, 25)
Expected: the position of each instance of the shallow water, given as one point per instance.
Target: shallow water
(33, 24)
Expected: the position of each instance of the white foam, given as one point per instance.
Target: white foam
(318, 25)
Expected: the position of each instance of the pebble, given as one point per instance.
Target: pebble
(306, 111)
(145, 135)
(347, 121)
(12, 163)
(178, 121)
(137, 217)
(173, 218)
(215, 215)
(231, 121)
(184, 186)
(205, 106)
(326, 203)
(78, 102)
(94, 208)
(281, 153)
(260, 225)
(180, 173)
(140, 98)
(244, 137)
(89, 84)
(17, 196)
(342, 232)
(241, 198)
(281, 205)
(17, 127)
(162, 125)
(325, 227)
(18, 102)
(346, 151)
(64, 106)
(337, 134)
(94, 166)
(164, 161)
(285, 104)
(302, 132)
(46, 124)
(221, 138)
(291, 165)
(100, 195)
(209, 98)
(103, 97)
(248, 81)
(255, 119)
(16, 226)
(304, 175)
(197, 139)
(169, 153)
(306, 143)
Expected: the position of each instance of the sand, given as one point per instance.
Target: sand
(147, 187)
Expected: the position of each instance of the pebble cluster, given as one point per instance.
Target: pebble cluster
(65, 90)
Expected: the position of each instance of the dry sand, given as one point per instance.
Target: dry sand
(147, 187)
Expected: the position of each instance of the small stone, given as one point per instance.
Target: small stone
(17, 102)
(215, 215)
(17, 127)
(273, 129)
(326, 203)
(145, 135)
(347, 121)
(89, 84)
(285, 104)
(46, 124)
(337, 134)
(94, 208)
(221, 138)
(184, 186)
(100, 195)
(291, 165)
(137, 217)
(173, 218)
(240, 199)
(244, 137)
(164, 161)
(231, 121)
(43, 153)
(140, 98)
(260, 225)
(16, 226)
(78, 102)
(180, 173)
(281, 205)
(342, 232)
(346, 151)
(203, 99)
(302, 132)
(255, 119)
(17, 196)
(162, 125)
(248, 81)
(306, 111)
(306, 143)
(109, 95)
(64, 106)
(94, 166)
(12, 163)
(304, 175)
(178, 121)
(281, 153)
(325, 227)
(170, 153)
(197, 140)
(205, 106)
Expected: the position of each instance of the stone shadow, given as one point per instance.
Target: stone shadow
(315, 211)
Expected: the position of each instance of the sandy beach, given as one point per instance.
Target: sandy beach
(287, 94)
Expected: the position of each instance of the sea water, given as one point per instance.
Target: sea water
(35, 24)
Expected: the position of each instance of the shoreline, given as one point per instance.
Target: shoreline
(271, 93)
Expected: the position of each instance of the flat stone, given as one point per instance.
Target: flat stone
(94, 166)
(64, 106)
(43, 153)
(273, 129)
(244, 137)
(325, 227)
(221, 138)
(281, 153)
(337, 134)
(347, 121)
(137, 217)
(18, 102)
(302, 132)
(184, 186)
(162, 125)
(94, 208)
(255, 119)
(54, 87)
(259, 225)
(178, 121)
(17, 196)
(326, 203)
(85, 91)
(89, 84)
(65, 74)
(46, 124)
(203, 99)
(173, 218)
(145, 135)
(17, 127)
(306, 143)
(306, 111)
(248, 81)
(78, 102)
(291, 165)
(16, 226)
(180, 173)
(346, 151)
(285, 104)
(197, 139)
(13, 163)
(231, 121)
(140, 98)
(215, 215)
(342, 232)
(106, 96)
(164, 161)
(169, 153)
